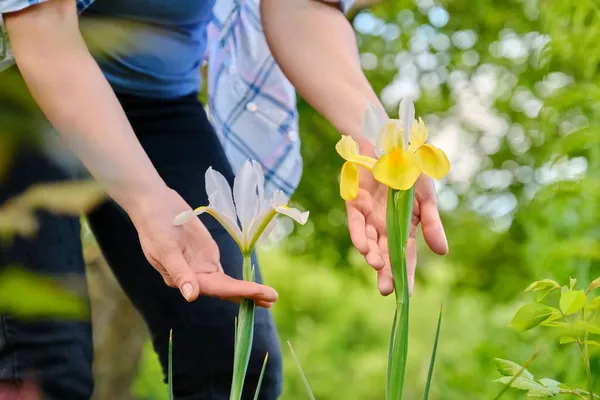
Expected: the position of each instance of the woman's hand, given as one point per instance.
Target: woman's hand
(186, 256)
(367, 225)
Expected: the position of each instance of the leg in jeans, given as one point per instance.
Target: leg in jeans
(55, 354)
(182, 145)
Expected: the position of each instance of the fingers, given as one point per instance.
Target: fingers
(356, 226)
(385, 281)
(433, 230)
(180, 275)
(373, 257)
(225, 287)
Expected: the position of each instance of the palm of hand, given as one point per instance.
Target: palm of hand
(367, 225)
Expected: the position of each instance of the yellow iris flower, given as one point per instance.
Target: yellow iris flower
(399, 164)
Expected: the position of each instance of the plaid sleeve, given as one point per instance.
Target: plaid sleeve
(7, 6)
(344, 4)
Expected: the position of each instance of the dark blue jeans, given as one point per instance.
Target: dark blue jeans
(181, 143)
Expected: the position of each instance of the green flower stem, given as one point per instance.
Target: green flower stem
(399, 213)
(244, 335)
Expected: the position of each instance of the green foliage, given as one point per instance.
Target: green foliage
(573, 325)
(28, 295)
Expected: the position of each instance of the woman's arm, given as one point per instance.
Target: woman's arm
(315, 46)
(71, 90)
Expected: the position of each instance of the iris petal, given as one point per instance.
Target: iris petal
(295, 214)
(398, 169)
(245, 194)
(432, 161)
(349, 181)
(348, 149)
(418, 136)
(219, 192)
(373, 120)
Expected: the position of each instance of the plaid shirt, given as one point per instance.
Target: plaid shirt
(252, 105)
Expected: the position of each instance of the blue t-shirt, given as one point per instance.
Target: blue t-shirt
(159, 45)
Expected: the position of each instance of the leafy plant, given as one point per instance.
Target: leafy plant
(574, 318)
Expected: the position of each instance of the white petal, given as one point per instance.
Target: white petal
(183, 217)
(279, 199)
(229, 224)
(245, 194)
(219, 193)
(372, 123)
(295, 214)
(407, 115)
(268, 230)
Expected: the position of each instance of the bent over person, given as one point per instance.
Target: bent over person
(132, 116)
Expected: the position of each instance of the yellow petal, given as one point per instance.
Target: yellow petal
(348, 149)
(398, 169)
(349, 181)
(418, 136)
(433, 161)
(391, 136)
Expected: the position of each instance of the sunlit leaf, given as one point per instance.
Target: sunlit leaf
(530, 316)
(519, 383)
(72, 198)
(572, 301)
(567, 339)
(544, 287)
(592, 343)
(594, 285)
(572, 283)
(27, 295)
(509, 368)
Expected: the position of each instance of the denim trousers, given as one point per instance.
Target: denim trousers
(57, 354)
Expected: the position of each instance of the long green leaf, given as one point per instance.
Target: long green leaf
(170, 377)
(304, 380)
(244, 336)
(433, 354)
(399, 212)
(260, 378)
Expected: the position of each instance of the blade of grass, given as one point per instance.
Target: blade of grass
(244, 336)
(433, 353)
(399, 213)
(306, 385)
(260, 378)
(170, 377)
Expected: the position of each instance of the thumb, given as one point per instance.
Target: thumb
(182, 275)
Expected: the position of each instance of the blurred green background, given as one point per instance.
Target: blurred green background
(509, 89)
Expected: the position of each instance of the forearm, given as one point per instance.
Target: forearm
(315, 46)
(71, 90)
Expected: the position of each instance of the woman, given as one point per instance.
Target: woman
(138, 127)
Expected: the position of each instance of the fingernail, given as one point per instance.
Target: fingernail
(187, 291)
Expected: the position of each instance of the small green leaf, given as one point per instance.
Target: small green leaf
(530, 316)
(593, 305)
(543, 287)
(572, 301)
(519, 383)
(594, 285)
(557, 324)
(572, 282)
(566, 340)
(509, 368)
(542, 392)
(592, 343)
(550, 383)
(28, 295)
(585, 326)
